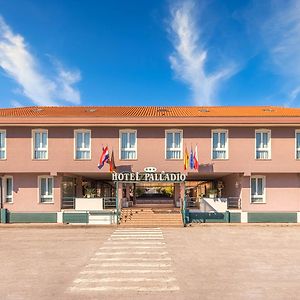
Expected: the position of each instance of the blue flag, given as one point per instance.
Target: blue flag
(192, 159)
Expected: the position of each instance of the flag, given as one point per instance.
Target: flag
(191, 159)
(196, 161)
(112, 166)
(186, 159)
(104, 157)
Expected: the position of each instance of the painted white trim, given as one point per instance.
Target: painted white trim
(5, 148)
(75, 143)
(181, 143)
(296, 131)
(121, 131)
(4, 182)
(60, 217)
(39, 189)
(269, 149)
(218, 131)
(298, 217)
(244, 217)
(263, 177)
(38, 130)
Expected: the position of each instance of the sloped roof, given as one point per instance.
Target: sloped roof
(149, 111)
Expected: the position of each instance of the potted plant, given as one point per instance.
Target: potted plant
(90, 192)
(212, 193)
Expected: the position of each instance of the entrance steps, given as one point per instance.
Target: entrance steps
(149, 217)
(155, 201)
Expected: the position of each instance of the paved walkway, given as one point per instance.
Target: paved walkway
(132, 259)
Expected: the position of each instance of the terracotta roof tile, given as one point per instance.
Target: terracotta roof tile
(150, 111)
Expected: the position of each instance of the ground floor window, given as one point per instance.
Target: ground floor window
(46, 189)
(258, 189)
(8, 189)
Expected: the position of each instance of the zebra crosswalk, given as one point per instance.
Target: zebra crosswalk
(132, 259)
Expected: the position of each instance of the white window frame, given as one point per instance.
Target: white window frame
(174, 149)
(127, 131)
(33, 132)
(82, 149)
(226, 149)
(264, 189)
(297, 131)
(40, 189)
(3, 149)
(269, 149)
(4, 183)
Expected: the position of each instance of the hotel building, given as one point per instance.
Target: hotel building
(249, 163)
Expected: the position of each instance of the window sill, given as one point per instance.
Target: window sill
(263, 159)
(82, 159)
(132, 159)
(46, 202)
(217, 159)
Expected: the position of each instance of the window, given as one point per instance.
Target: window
(82, 144)
(263, 144)
(258, 189)
(219, 144)
(2, 144)
(8, 188)
(46, 189)
(174, 144)
(128, 149)
(297, 135)
(40, 144)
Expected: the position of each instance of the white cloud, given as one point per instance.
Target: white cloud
(190, 56)
(20, 65)
(280, 31)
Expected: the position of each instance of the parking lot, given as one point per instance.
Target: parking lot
(202, 262)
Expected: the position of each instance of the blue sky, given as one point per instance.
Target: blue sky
(141, 52)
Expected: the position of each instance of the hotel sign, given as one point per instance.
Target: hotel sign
(149, 176)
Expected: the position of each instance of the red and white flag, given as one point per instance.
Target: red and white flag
(196, 161)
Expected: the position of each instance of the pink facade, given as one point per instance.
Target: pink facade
(281, 171)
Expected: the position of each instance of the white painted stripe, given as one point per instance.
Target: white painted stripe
(136, 234)
(134, 243)
(145, 265)
(125, 271)
(132, 253)
(139, 228)
(130, 259)
(133, 247)
(127, 288)
(127, 279)
(135, 238)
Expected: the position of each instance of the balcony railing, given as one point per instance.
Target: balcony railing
(213, 204)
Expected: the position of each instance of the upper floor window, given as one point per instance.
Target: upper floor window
(2, 144)
(219, 144)
(40, 144)
(46, 189)
(174, 144)
(263, 144)
(258, 189)
(297, 135)
(82, 144)
(8, 189)
(128, 145)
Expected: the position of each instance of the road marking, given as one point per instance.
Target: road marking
(128, 279)
(133, 247)
(126, 288)
(132, 253)
(131, 271)
(130, 260)
(145, 265)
